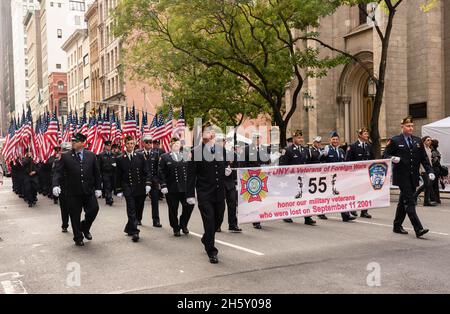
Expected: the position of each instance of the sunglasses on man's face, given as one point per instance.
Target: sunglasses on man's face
(147, 142)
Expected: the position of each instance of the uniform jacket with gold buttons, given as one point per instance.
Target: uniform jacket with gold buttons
(173, 173)
(79, 177)
(132, 176)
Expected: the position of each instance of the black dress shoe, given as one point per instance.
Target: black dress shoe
(177, 233)
(349, 218)
(79, 243)
(139, 223)
(366, 215)
(87, 235)
(219, 230)
(213, 259)
(309, 221)
(421, 232)
(185, 230)
(157, 225)
(235, 229)
(257, 226)
(354, 213)
(323, 217)
(64, 230)
(400, 231)
(135, 237)
(288, 220)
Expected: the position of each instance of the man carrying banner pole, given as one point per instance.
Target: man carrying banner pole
(407, 153)
(297, 154)
(358, 151)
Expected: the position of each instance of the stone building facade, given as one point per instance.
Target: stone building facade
(417, 78)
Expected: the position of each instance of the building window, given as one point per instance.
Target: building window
(86, 82)
(51, 4)
(60, 86)
(58, 65)
(77, 5)
(59, 33)
(77, 20)
(85, 60)
(362, 9)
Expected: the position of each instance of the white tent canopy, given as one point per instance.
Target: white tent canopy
(440, 130)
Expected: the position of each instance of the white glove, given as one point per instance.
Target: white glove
(395, 160)
(56, 191)
(119, 195)
(228, 171)
(431, 176)
(147, 189)
(98, 193)
(190, 200)
(164, 191)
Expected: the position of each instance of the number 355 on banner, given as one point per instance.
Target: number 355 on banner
(272, 193)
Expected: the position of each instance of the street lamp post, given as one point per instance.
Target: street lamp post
(307, 100)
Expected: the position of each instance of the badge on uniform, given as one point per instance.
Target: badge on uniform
(377, 174)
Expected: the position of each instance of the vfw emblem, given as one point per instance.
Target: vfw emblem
(254, 185)
(377, 173)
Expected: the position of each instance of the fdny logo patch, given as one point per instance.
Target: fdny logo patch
(377, 174)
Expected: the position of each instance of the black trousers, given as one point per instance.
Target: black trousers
(426, 187)
(436, 194)
(76, 204)
(30, 186)
(173, 201)
(231, 197)
(108, 185)
(407, 206)
(134, 203)
(64, 211)
(154, 196)
(211, 212)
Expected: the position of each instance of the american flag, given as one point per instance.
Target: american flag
(69, 129)
(179, 130)
(99, 141)
(106, 127)
(138, 130)
(51, 137)
(160, 127)
(152, 128)
(83, 126)
(91, 132)
(129, 126)
(10, 142)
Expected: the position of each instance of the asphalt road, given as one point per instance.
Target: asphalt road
(332, 257)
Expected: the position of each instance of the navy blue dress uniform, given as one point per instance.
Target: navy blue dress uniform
(231, 195)
(360, 151)
(206, 175)
(297, 155)
(412, 154)
(78, 173)
(316, 153)
(107, 164)
(132, 177)
(255, 156)
(63, 206)
(153, 157)
(17, 174)
(173, 170)
(333, 155)
(31, 182)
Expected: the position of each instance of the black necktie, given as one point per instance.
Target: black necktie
(410, 142)
(213, 149)
(79, 155)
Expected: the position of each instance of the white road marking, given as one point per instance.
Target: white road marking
(12, 285)
(385, 225)
(232, 245)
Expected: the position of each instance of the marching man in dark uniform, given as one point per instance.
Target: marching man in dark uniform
(173, 169)
(65, 148)
(133, 182)
(316, 151)
(297, 154)
(407, 154)
(358, 151)
(332, 154)
(50, 163)
(152, 155)
(107, 165)
(31, 182)
(231, 193)
(78, 172)
(255, 156)
(207, 174)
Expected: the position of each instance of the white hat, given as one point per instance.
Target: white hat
(256, 134)
(66, 146)
(147, 138)
(220, 136)
(317, 139)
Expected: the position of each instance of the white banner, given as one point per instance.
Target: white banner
(273, 193)
(446, 181)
